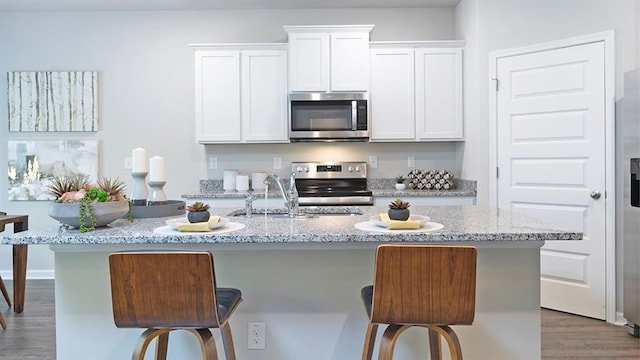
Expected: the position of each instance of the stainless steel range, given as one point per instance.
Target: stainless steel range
(332, 183)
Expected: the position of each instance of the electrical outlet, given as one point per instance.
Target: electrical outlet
(256, 336)
(411, 161)
(277, 163)
(128, 163)
(213, 163)
(373, 161)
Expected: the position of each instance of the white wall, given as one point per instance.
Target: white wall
(147, 90)
(492, 25)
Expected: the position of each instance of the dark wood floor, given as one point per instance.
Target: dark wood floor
(31, 335)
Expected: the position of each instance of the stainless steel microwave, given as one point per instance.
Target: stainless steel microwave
(329, 117)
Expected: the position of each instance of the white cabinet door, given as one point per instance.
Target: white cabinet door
(264, 96)
(309, 61)
(349, 61)
(439, 94)
(328, 58)
(392, 95)
(217, 96)
(241, 95)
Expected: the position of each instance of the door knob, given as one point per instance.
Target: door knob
(595, 194)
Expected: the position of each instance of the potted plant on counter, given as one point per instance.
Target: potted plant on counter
(399, 210)
(85, 206)
(198, 212)
(400, 185)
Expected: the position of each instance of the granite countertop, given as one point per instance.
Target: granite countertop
(212, 189)
(461, 223)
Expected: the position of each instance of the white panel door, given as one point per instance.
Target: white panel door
(309, 62)
(264, 96)
(392, 95)
(439, 94)
(217, 96)
(551, 159)
(349, 61)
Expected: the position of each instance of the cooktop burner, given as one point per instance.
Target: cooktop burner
(332, 183)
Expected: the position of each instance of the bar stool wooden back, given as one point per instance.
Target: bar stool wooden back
(166, 291)
(420, 285)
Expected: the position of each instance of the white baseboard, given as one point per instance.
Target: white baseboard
(620, 320)
(31, 274)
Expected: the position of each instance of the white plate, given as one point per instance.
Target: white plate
(212, 225)
(376, 220)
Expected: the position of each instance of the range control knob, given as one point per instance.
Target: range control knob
(357, 168)
(299, 169)
(306, 169)
(350, 168)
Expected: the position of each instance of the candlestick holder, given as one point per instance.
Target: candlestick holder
(139, 191)
(156, 194)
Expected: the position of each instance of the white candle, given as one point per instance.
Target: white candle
(139, 163)
(156, 166)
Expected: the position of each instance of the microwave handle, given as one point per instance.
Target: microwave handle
(354, 115)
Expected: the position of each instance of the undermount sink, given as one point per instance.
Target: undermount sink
(310, 212)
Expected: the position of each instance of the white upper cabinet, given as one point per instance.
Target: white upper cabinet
(241, 93)
(416, 91)
(392, 96)
(328, 58)
(439, 94)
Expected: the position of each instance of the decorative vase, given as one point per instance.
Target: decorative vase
(401, 186)
(399, 214)
(105, 212)
(198, 216)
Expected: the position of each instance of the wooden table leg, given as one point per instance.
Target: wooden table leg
(19, 276)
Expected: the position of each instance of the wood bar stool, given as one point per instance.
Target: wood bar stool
(20, 223)
(165, 291)
(430, 286)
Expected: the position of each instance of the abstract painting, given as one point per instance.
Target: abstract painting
(53, 101)
(32, 164)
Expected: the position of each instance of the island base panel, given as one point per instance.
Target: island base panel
(310, 302)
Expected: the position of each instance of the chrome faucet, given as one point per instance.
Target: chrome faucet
(248, 205)
(291, 197)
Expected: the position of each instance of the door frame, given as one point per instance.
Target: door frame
(608, 37)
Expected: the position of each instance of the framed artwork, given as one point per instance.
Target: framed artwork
(52, 101)
(32, 164)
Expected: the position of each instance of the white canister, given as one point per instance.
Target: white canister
(229, 180)
(242, 182)
(257, 180)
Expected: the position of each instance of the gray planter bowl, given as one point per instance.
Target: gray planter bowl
(106, 213)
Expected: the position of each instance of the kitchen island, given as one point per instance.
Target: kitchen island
(302, 277)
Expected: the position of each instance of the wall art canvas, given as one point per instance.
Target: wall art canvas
(50, 101)
(33, 163)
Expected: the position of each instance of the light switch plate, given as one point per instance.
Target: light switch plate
(128, 163)
(277, 163)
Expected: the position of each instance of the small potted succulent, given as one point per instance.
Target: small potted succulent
(400, 185)
(198, 212)
(399, 210)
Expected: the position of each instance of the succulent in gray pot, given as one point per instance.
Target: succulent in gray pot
(198, 212)
(79, 204)
(399, 210)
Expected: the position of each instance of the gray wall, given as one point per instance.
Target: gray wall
(147, 90)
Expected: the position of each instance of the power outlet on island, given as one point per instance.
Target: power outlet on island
(256, 336)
